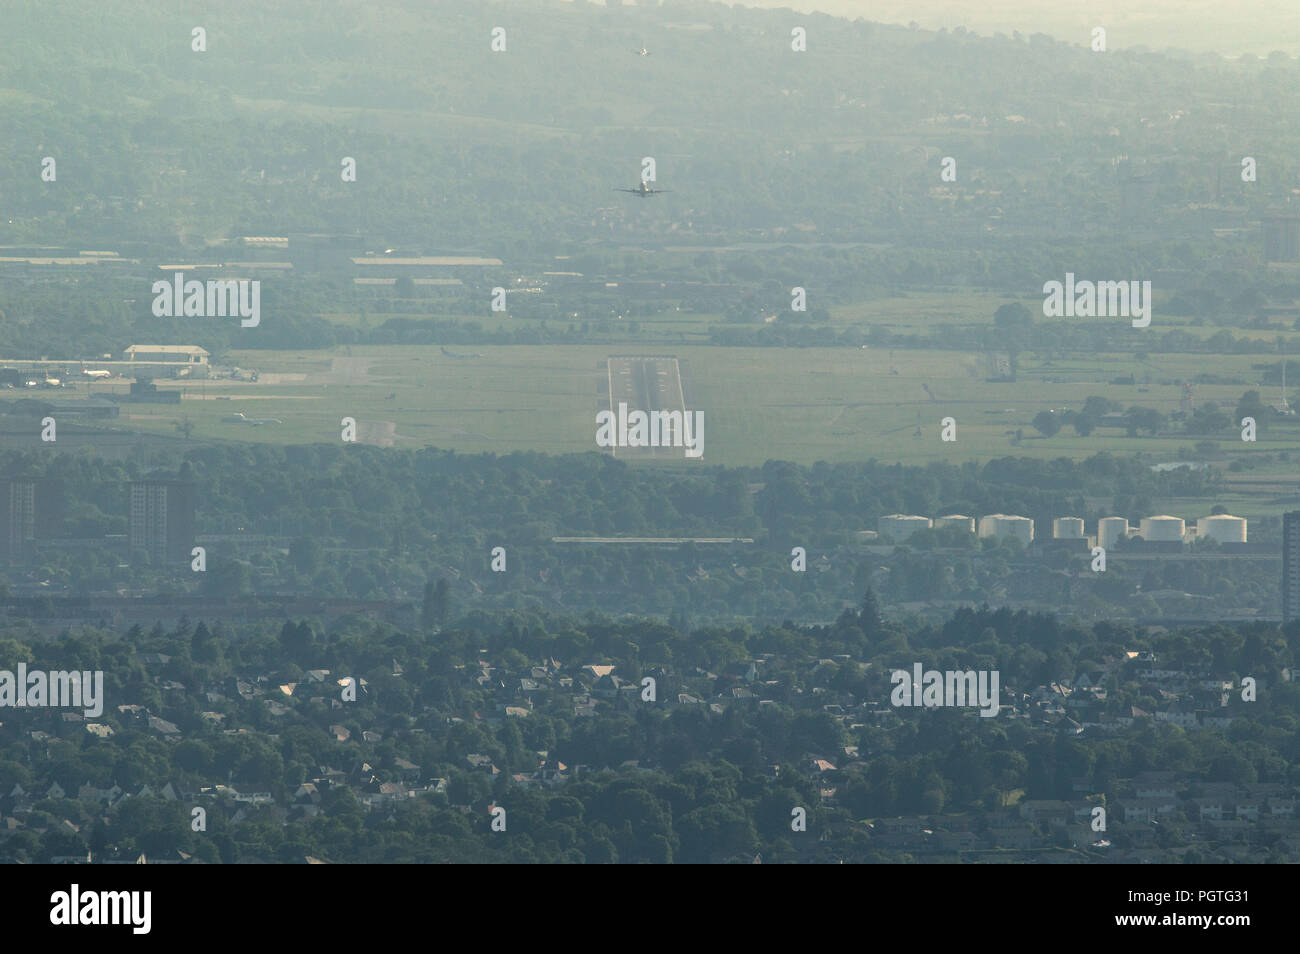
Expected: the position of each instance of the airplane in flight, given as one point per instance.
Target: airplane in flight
(642, 52)
(645, 191)
(460, 357)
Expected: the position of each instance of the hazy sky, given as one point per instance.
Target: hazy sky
(1222, 26)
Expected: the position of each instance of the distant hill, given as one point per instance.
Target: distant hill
(1202, 26)
(463, 148)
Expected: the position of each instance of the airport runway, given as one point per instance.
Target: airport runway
(646, 384)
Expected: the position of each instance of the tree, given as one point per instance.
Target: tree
(1207, 419)
(437, 601)
(869, 614)
(227, 579)
(1095, 407)
(305, 554)
(1047, 423)
(1143, 419)
(1250, 405)
(1082, 424)
(297, 639)
(61, 842)
(204, 647)
(1012, 315)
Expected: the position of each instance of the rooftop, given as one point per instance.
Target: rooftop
(167, 349)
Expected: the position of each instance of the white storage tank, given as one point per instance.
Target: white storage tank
(1163, 529)
(1111, 529)
(900, 526)
(1022, 528)
(956, 520)
(1067, 528)
(1006, 525)
(1222, 528)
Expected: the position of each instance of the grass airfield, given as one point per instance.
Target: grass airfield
(803, 405)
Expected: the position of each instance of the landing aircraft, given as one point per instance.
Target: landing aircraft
(642, 52)
(460, 357)
(645, 191)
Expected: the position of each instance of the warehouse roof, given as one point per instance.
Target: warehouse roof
(168, 349)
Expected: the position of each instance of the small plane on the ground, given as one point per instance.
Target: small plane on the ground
(239, 418)
(645, 191)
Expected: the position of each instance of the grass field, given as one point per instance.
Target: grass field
(911, 314)
(759, 403)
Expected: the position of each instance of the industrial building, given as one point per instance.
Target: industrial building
(898, 526)
(144, 391)
(168, 356)
(425, 266)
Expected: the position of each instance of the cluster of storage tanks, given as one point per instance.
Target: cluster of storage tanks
(1222, 528)
(898, 526)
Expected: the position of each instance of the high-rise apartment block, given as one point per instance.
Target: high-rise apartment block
(162, 520)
